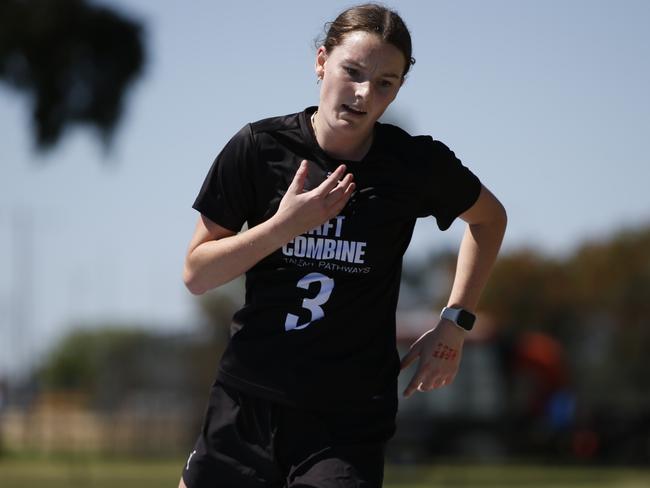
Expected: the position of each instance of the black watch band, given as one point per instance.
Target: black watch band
(459, 316)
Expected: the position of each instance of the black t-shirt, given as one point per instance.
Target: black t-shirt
(318, 326)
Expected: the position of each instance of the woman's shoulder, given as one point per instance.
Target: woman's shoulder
(396, 137)
(273, 132)
(277, 123)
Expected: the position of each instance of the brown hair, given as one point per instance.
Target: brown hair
(373, 18)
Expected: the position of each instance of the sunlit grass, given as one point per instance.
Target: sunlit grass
(88, 473)
(95, 473)
(500, 476)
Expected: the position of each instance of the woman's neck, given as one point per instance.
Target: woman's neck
(351, 147)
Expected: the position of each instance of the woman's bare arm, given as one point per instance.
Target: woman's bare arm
(217, 255)
(439, 350)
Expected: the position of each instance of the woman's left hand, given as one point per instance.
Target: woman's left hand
(439, 351)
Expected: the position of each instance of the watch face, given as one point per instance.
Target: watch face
(465, 319)
(461, 317)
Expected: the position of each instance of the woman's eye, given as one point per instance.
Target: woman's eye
(386, 83)
(351, 71)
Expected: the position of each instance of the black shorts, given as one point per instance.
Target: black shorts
(252, 442)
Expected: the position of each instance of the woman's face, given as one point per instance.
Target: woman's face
(361, 77)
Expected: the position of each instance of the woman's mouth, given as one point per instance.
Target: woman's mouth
(353, 111)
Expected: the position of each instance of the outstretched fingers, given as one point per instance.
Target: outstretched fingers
(436, 379)
(331, 182)
(415, 383)
(428, 376)
(344, 198)
(341, 193)
(298, 183)
(407, 360)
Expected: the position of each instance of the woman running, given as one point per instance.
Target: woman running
(306, 391)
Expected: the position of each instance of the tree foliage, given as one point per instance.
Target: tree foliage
(95, 360)
(608, 279)
(527, 290)
(614, 277)
(76, 60)
(596, 302)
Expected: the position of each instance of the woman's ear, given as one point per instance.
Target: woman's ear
(321, 58)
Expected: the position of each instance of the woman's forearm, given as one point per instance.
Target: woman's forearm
(478, 252)
(216, 262)
(216, 259)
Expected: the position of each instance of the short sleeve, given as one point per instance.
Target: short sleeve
(450, 188)
(227, 194)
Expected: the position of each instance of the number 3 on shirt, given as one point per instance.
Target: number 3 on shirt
(311, 304)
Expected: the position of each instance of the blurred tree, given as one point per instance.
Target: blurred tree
(596, 302)
(613, 277)
(75, 59)
(528, 291)
(608, 279)
(611, 283)
(102, 362)
(217, 307)
(112, 363)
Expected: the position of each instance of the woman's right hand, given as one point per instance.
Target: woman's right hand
(216, 255)
(301, 211)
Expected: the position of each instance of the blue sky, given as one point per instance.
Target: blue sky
(547, 101)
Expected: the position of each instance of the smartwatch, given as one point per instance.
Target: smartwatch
(459, 316)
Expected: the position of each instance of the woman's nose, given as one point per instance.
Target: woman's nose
(363, 90)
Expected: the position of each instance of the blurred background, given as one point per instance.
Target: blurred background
(111, 112)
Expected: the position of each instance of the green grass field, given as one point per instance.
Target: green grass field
(73, 473)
